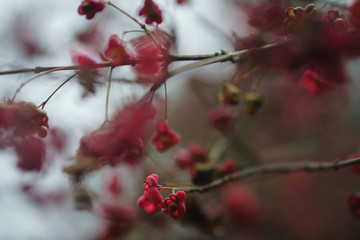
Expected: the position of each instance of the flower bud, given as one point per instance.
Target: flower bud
(310, 9)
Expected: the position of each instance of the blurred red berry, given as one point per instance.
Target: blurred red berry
(31, 154)
(114, 186)
(229, 166)
(337, 22)
(119, 221)
(241, 205)
(23, 119)
(182, 1)
(353, 202)
(165, 137)
(356, 167)
(313, 83)
(115, 51)
(58, 139)
(221, 117)
(151, 12)
(267, 16)
(355, 14)
(90, 8)
(175, 205)
(121, 139)
(187, 158)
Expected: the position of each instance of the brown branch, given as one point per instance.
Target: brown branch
(275, 169)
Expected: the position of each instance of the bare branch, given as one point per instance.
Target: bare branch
(276, 169)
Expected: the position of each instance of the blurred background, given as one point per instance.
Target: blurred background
(292, 126)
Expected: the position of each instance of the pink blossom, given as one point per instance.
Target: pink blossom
(175, 205)
(165, 137)
(115, 51)
(152, 59)
(90, 8)
(151, 12)
(151, 182)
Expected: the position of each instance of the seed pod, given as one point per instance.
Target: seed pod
(82, 198)
(203, 173)
(253, 102)
(229, 94)
(310, 9)
(340, 25)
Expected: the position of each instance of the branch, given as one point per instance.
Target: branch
(61, 68)
(276, 169)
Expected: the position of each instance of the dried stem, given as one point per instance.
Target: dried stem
(276, 169)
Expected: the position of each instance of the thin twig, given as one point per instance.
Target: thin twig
(53, 69)
(42, 105)
(166, 101)
(107, 97)
(246, 75)
(276, 169)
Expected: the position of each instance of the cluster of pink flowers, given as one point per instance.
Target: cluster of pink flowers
(317, 42)
(152, 201)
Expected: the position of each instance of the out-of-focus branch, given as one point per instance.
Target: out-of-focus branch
(276, 169)
(201, 60)
(61, 68)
